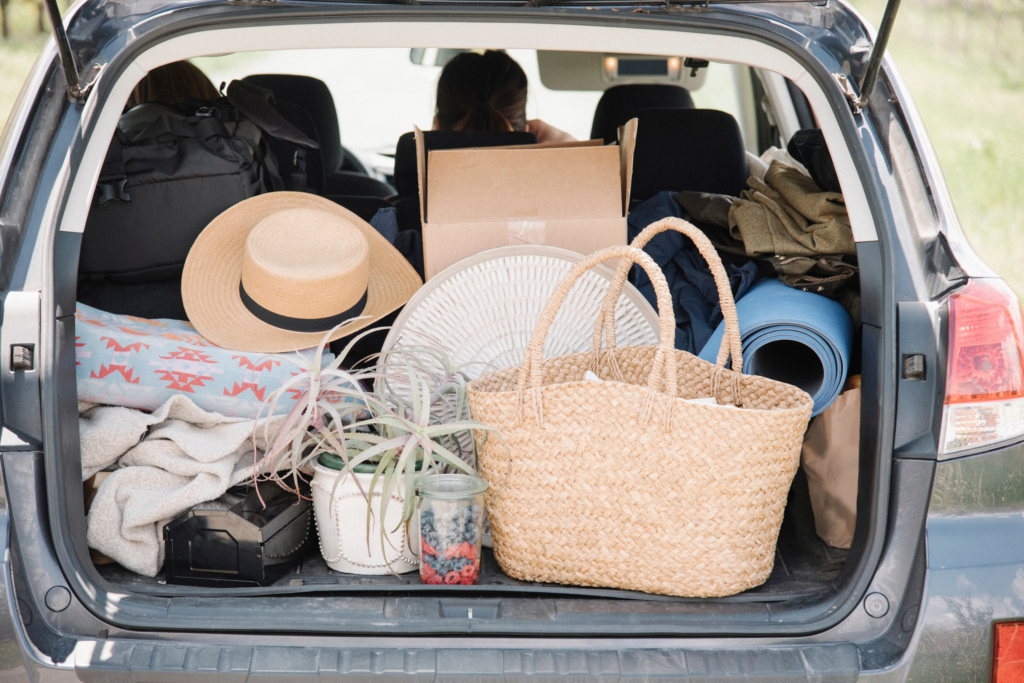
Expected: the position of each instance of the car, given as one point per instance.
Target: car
(932, 588)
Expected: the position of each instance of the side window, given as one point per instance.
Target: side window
(767, 128)
(909, 177)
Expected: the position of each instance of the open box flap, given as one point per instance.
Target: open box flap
(627, 145)
(421, 171)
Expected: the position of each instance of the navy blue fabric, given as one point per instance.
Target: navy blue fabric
(689, 278)
(408, 242)
(386, 223)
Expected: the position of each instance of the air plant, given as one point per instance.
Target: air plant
(407, 425)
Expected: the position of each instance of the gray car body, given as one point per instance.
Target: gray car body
(943, 556)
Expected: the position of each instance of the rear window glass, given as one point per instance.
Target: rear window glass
(380, 93)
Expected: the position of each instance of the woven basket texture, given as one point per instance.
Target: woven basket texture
(625, 484)
(484, 310)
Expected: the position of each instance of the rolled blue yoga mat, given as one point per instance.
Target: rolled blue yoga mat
(792, 336)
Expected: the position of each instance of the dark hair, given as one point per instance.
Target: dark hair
(172, 83)
(482, 92)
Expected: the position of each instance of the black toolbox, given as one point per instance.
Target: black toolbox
(236, 541)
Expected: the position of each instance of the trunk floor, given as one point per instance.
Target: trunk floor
(804, 566)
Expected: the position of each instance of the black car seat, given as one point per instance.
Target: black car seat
(621, 103)
(699, 150)
(406, 174)
(301, 169)
(342, 172)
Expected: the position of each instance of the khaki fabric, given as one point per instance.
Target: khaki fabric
(788, 215)
(831, 460)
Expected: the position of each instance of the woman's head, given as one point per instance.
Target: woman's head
(481, 92)
(172, 83)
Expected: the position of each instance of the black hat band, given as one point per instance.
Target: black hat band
(285, 322)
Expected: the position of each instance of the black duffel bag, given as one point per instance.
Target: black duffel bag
(169, 171)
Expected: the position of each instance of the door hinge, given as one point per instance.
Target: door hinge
(848, 92)
(78, 85)
(78, 92)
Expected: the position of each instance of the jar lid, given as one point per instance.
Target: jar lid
(450, 486)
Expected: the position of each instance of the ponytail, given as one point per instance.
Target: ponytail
(482, 92)
(484, 117)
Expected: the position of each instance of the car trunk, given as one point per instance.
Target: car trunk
(807, 573)
(808, 578)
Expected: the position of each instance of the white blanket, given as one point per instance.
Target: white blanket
(168, 461)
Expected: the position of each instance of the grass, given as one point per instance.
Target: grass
(964, 66)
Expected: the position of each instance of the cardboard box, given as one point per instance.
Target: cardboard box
(573, 195)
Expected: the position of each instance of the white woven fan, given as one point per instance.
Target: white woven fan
(483, 309)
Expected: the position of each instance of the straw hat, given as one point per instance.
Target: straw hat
(275, 272)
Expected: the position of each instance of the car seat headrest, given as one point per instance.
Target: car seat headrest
(699, 150)
(314, 96)
(258, 105)
(621, 103)
(406, 177)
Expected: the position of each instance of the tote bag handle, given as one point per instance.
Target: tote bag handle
(663, 369)
(731, 341)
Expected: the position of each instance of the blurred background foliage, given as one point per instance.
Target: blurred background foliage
(963, 61)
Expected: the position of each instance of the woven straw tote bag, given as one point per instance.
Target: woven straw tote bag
(627, 483)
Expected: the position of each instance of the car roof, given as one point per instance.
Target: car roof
(830, 32)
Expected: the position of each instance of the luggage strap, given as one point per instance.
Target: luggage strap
(113, 180)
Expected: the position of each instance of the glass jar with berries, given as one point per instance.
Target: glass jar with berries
(451, 511)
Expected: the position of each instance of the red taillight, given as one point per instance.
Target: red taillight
(986, 343)
(1008, 653)
(985, 375)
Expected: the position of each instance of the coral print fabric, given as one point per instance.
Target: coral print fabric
(139, 363)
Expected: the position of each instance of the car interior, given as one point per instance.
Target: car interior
(701, 126)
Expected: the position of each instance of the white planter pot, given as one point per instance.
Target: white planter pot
(342, 527)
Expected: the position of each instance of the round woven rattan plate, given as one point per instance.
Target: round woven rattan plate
(483, 309)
